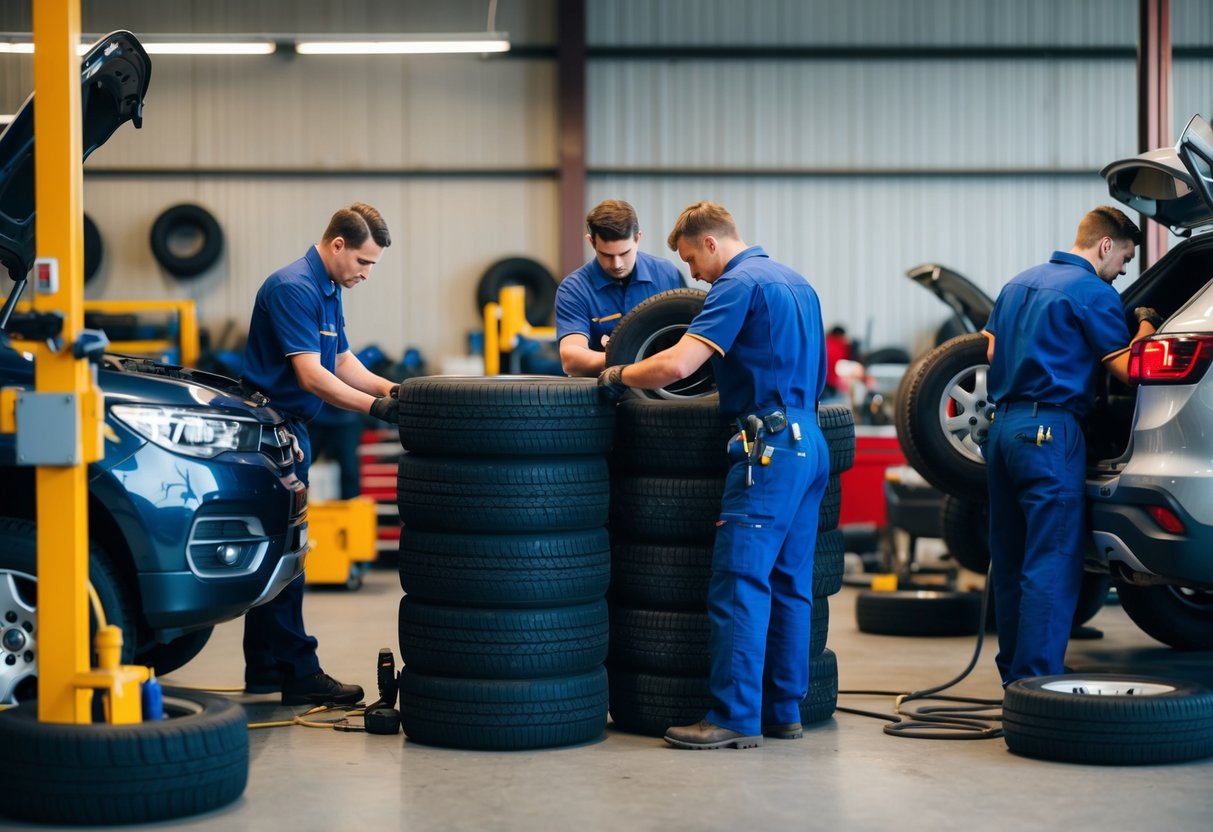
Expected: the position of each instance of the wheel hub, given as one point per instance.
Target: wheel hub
(18, 646)
(965, 411)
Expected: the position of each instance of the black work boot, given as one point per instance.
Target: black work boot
(318, 689)
(705, 736)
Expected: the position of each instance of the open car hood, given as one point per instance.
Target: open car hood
(1173, 185)
(114, 75)
(971, 305)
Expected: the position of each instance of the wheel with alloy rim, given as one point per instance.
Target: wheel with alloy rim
(943, 415)
(1109, 719)
(654, 325)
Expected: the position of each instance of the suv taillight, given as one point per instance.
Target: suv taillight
(1172, 359)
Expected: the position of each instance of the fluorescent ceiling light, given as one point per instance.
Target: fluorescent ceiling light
(167, 45)
(412, 45)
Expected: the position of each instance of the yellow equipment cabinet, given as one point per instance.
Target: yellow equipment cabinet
(342, 535)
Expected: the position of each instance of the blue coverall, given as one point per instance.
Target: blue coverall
(1052, 326)
(763, 322)
(590, 302)
(297, 310)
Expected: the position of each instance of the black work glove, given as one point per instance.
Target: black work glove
(395, 391)
(610, 383)
(1148, 313)
(387, 409)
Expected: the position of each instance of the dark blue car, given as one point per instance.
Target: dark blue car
(195, 513)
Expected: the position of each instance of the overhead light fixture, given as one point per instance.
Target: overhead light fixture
(479, 42)
(162, 44)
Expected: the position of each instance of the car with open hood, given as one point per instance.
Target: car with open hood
(195, 513)
(1150, 443)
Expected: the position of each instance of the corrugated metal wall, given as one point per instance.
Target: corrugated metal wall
(852, 170)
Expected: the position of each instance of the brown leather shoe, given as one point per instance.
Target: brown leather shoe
(784, 731)
(704, 736)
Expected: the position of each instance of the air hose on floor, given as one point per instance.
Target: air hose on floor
(970, 718)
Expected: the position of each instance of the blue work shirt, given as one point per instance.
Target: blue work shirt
(1052, 327)
(590, 302)
(298, 309)
(764, 322)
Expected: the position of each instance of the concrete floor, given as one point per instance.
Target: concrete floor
(845, 773)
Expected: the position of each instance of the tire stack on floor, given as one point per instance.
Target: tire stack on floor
(505, 560)
(668, 473)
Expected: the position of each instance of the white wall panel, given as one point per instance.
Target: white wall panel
(423, 292)
(855, 239)
(862, 22)
(852, 114)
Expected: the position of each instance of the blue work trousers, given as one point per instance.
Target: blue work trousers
(1037, 526)
(275, 641)
(760, 599)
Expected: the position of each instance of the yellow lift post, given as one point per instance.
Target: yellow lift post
(504, 323)
(66, 394)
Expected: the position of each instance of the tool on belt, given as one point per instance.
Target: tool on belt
(757, 451)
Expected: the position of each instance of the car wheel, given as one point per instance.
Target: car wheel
(1108, 719)
(653, 325)
(192, 761)
(165, 658)
(943, 415)
(19, 608)
(1175, 615)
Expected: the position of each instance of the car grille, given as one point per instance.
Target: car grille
(276, 444)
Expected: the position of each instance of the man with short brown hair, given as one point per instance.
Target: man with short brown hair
(591, 300)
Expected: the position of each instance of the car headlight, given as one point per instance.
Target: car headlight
(192, 432)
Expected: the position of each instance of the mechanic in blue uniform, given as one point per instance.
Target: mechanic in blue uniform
(1052, 327)
(761, 326)
(297, 355)
(591, 300)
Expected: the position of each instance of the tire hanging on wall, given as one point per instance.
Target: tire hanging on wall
(520, 271)
(190, 219)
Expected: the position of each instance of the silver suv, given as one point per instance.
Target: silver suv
(1150, 446)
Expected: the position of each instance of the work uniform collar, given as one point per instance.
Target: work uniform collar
(318, 273)
(1065, 258)
(752, 251)
(640, 274)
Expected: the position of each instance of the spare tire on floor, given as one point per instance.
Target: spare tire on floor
(1108, 719)
(520, 271)
(652, 326)
(193, 761)
(918, 613)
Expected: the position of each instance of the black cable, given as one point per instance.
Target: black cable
(939, 722)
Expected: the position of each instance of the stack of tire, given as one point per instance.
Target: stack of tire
(505, 561)
(668, 472)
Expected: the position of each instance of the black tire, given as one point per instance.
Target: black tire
(520, 271)
(165, 658)
(663, 438)
(666, 510)
(838, 426)
(1108, 719)
(1177, 616)
(502, 494)
(831, 505)
(193, 761)
(918, 613)
(965, 527)
(467, 642)
(94, 250)
(676, 643)
(204, 240)
(669, 577)
(822, 699)
(19, 607)
(534, 570)
(653, 325)
(504, 415)
(503, 715)
(943, 414)
(649, 703)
